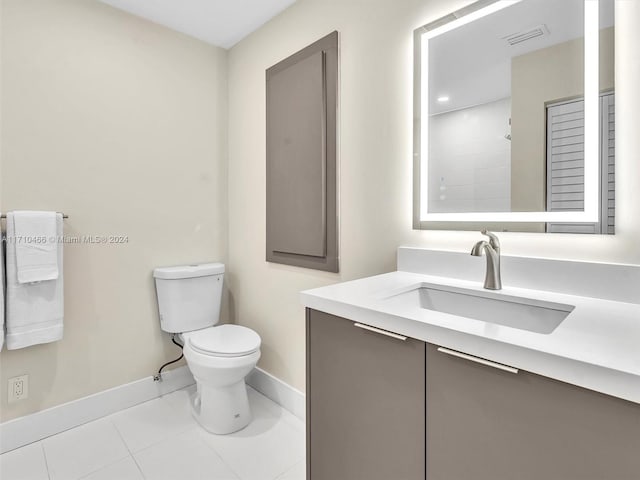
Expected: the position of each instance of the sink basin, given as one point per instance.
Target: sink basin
(516, 312)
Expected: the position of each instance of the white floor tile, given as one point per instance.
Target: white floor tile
(123, 470)
(167, 444)
(181, 399)
(26, 463)
(260, 401)
(83, 450)
(266, 448)
(298, 472)
(151, 422)
(183, 457)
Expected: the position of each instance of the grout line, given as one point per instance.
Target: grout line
(110, 464)
(280, 411)
(155, 442)
(200, 432)
(196, 429)
(162, 440)
(128, 449)
(39, 425)
(113, 462)
(289, 469)
(284, 415)
(210, 447)
(138, 466)
(46, 462)
(173, 407)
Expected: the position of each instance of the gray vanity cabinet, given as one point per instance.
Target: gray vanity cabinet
(488, 424)
(365, 403)
(385, 408)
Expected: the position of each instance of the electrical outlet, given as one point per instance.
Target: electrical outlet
(18, 388)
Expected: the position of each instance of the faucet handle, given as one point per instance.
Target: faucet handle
(493, 239)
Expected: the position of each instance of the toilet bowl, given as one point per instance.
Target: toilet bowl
(219, 356)
(219, 366)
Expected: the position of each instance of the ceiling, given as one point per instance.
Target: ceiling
(472, 64)
(222, 23)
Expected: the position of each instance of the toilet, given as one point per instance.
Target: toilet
(219, 357)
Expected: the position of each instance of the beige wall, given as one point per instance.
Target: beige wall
(376, 162)
(122, 125)
(538, 78)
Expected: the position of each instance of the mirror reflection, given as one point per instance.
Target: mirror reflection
(506, 114)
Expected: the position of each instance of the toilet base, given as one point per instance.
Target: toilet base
(222, 410)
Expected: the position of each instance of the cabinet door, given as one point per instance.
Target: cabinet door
(488, 424)
(365, 403)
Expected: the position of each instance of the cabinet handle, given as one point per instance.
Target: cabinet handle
(482, 361)
(380, 331)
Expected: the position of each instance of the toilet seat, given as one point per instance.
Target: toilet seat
(224, 341)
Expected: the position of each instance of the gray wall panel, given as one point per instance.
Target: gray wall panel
(297, 158)
(301, 203)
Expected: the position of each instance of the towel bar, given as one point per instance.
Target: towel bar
(64, 215)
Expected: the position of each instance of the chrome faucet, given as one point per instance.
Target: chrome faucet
(492, 279)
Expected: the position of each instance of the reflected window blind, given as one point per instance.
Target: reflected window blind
(565, 165)
(608, 163)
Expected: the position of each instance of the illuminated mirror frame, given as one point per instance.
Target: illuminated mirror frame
(425, 220)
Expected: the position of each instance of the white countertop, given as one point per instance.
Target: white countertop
(597, 346)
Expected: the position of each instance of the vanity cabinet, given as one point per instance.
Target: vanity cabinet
(385, 407)
(484, 423)
(365, 402)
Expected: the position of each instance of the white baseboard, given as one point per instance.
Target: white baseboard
(283, 394)
(31, 428)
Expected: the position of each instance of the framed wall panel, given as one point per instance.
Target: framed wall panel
(301, 203)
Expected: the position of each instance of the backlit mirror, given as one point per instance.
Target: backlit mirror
(515, 117)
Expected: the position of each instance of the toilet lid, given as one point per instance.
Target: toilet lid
(225, 340)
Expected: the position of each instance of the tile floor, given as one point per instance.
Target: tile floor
(159, 440)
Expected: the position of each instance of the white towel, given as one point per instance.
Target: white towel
(36, 245)
(1, 296)
(34, 311)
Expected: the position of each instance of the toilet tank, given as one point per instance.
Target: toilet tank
(189, 296)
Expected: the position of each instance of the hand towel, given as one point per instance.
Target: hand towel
(35, 245)
(2, 283)
(34, 311)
